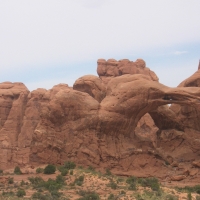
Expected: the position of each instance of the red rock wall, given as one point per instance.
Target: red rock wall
(100, 123)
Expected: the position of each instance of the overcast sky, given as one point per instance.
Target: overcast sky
(46, 42)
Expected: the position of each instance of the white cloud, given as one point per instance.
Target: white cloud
(179, 52)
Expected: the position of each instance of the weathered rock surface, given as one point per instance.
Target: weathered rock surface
(189, 115)
(112, 68)
(120, 120)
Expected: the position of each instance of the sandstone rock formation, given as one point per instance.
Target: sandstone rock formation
(120, 120)
(112, 68)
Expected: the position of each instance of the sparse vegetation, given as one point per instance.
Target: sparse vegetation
(189, 196)
(49, 169)
(150, 182)
(64, 172)
(90, 184)
(69, 165)
(194, 189)
(79, 181)
(112, 184)
(39, 170)
(21, 193)
(108, 172)
(10, 180)
(88, 195)
(197, 197)
(17, 170)
(111, 197)
(8, 194)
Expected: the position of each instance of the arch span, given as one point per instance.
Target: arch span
(129, 97)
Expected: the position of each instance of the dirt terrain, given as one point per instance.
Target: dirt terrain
(94, 181)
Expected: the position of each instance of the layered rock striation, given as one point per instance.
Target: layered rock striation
(120, 120)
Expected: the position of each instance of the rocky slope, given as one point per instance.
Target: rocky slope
(120, 120)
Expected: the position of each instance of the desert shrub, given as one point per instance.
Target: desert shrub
(40, 196)
(131, 179)
(22, 183)
(197, 197)
(51, 185)
(21, 193)
(189, 196)
(60, 179)
(108, 172)
(17, 170)
(79, 181)
(194, 189)
(111, 197)
(35, 180)
(132, 183)
(1, 171)
(69, 165)
(150, 182)
(91, 169)
(71, 172)
(112, 184)
(120, 180)
(10, 180)
(122, 192)
(7, 194)
(88, 195)
(39, 170)
(171, 197)
(55, 194)
(49, 169)
(64, 172)
(132, 186)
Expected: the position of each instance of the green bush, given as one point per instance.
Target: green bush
(39, 170)
(69, 165)
(79, 181)
(150, 182)
(10, 180)
(108, 172)
(113, 185)
(60, 179)
(171, 197)
(188, 189)
(189, 196)
(132, 183)
(64, 172)
(49, 169)
(122, 192)
(17, 170)
(35, 180)
(40, 196)
(51, 185)
(21, 193)
(7, 194)
(131, 179)
(111, 197)
(55, 194)
(71, 172)
(22, 183)
(88, 195)
(132, 186)
(91, 169)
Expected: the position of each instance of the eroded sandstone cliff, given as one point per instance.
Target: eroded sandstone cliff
(120, 120)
